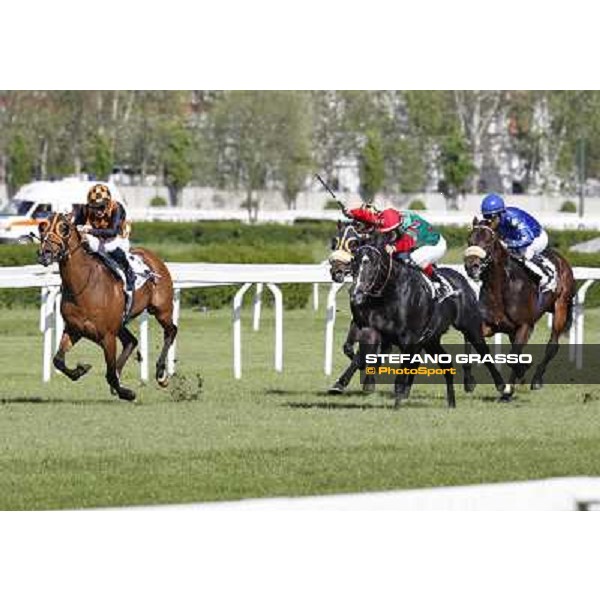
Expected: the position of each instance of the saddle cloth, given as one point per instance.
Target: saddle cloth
(140, 269)
(551, 267)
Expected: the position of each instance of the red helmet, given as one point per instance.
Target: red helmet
(390, 218)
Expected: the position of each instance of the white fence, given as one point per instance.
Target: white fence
(190, 275)
(551, 220)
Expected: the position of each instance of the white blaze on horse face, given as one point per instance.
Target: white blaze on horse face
(365, 259)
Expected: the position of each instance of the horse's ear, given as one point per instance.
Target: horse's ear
(475, 221)
(43, 226)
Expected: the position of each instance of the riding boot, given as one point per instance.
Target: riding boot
(444, 289)
(121, 259)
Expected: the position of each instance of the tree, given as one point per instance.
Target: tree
(20, 164)
(176, 160)
(475, 110)
(456, 165)
(101, 164)
(294, 144)
(372, 169)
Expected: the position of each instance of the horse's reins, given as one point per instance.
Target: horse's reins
(379, 293)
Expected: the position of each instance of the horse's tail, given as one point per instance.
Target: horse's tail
(569, 321)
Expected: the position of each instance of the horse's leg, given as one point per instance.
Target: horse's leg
(366, 336)
(469, 383)
(518, 339)
(130, 343)
(559, 323)
(475, 337)
(165, 317)
(403, 383)
(448, 376)
(109, 345)
(68, 340)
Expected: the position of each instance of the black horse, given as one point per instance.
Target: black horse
(393, 304)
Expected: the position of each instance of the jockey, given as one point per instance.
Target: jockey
(410, 237)
(103, 222)
(523, 235)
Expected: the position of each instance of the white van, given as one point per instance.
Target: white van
(34, 201)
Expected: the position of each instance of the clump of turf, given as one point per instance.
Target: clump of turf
(186, 389)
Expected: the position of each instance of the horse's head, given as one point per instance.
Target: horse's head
(371, 269)
(482, 246)
(343, 246)
(55, 232)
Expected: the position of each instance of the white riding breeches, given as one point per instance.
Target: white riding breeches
(428, 255)
(538, 245)
(107, 244)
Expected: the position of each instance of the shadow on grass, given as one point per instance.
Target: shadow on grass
(40, 400)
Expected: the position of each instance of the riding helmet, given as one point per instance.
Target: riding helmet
(389, 219)
(98, 195)
(492, 204)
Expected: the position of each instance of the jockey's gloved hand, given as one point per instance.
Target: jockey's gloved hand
(83, 228)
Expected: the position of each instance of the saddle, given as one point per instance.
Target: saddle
(140, 269)
(546, 266)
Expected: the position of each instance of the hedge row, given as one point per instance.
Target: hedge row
(233, 242)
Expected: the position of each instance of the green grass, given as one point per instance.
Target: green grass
(71, 445)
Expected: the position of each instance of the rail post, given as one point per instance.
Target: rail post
(256, 307)
(237, 330)
(278, 296)
(330, 325)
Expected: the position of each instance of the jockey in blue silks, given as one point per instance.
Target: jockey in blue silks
(524, 237)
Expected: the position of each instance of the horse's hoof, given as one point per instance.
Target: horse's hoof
(505, 398)
(397, 403)
(127, 395)
(470, 386)
(163, 380)
(336, 389)
(537, 385)
(368, 388)
(80, 371)
(113, 391)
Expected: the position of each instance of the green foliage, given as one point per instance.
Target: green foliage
(101, 163)
(412, 165)
(417, 204)
(158, 201)
(177, 159)
(372, 166)
(20, 164)
(331, 204)
(455, 162)
(568, 206)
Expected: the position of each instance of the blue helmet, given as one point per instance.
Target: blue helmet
(492, 204)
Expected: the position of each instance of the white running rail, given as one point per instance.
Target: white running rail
(191, 275)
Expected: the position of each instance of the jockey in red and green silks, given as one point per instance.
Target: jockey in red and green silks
(410, 235)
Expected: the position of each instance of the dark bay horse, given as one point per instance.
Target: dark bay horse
(510, 301)
(93, 303)
(392, 304)
(347, 241)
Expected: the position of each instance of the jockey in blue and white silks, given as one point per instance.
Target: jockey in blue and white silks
(522, 234)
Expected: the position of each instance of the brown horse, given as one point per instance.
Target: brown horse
(510, 300)
(93, 302)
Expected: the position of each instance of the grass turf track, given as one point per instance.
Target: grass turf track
(71, 445)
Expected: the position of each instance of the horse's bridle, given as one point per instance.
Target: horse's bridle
(485, 256)
(369, 290)
(56, 238)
